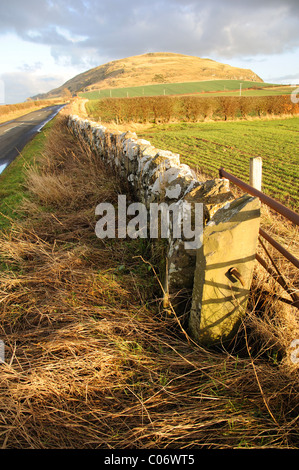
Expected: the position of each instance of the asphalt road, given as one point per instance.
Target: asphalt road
(15, 134)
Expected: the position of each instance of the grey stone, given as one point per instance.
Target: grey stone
(219, 299)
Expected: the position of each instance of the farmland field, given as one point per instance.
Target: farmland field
(226, 87)
(207, 146)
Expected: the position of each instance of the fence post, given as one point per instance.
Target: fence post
(255, 173)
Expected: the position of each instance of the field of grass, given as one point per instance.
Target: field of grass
(93, 362)
(271, 91)
(208, 146)
(226, 87)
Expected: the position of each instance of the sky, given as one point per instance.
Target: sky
(44, 43)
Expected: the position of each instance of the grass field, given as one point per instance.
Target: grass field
(226, 87)
(208, 146)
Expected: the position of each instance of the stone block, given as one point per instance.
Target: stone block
(213, 193)
(223, 272)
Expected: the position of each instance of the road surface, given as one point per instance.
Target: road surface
(15, 134)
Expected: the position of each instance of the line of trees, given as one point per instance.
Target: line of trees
(163, 109)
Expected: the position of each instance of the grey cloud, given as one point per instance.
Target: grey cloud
(115, 29)
(31, 68)
(48, 35)
(19, 86)
(74, 55)
(286, 78)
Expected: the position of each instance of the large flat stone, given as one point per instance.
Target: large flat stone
(219, 299)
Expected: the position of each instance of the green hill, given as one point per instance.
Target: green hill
(152, 69)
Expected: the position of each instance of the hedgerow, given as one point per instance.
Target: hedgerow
(164, 109)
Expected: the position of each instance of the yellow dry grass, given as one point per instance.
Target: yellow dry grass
(153, 68)
(162, 67)
(12, 113)
(15, 114)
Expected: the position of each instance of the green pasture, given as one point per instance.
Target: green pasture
(226, 87)
(207, 146)
(262, 92)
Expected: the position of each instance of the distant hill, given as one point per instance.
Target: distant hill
(148, 69)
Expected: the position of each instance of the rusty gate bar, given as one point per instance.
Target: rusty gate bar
(279, 279)
(279, 248)
(281, 209)
(277, 206)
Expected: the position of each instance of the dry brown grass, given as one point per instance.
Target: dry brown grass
(91, 361)
(160, 68)
(10, 112)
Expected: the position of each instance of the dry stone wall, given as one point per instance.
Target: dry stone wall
(158, 176)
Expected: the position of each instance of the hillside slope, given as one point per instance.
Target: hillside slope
(146, 69)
